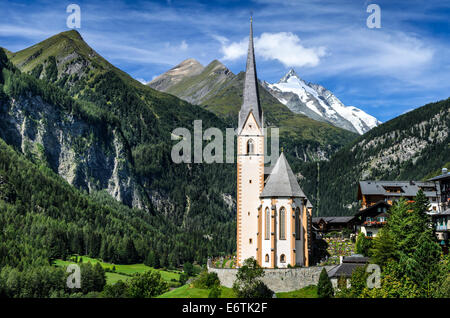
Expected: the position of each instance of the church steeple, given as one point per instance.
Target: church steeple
(250, 100)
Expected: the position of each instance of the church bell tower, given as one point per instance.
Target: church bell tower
(250, 163)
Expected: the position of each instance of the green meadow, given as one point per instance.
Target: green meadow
(123, 272)
(188, 291)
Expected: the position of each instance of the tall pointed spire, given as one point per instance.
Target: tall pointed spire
(250, 100)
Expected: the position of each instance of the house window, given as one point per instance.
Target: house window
(267, 258)
(369, 234)
(267, 231)
(297, 224)
(282, 258)
(250, 147)
(250, 241)
(282, 223)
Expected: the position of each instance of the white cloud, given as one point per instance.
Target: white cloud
(143, 81)
(285, 47)
(184, 46)
(391, 54)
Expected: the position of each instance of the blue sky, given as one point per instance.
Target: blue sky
(385, 72)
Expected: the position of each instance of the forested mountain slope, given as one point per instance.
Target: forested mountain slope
(409, 147)
(146, 118)
(42, 218)
(122, 147)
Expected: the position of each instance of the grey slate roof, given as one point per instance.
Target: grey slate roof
(282, 181)
(268, 169)
(250, 100)
(333, 219)
(441, 177)
(348, 265)
(409, 188)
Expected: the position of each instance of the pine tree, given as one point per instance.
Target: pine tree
(423, 267)
(324, 287)
(383, 248)
(421, 219)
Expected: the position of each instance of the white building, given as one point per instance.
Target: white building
(273, 213)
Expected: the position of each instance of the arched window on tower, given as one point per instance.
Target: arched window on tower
(267, 258)
(250, 147)
(297, 224)
(283, 258)
(267, 228)
(282, 223)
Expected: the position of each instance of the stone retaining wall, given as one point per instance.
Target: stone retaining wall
(278, 280)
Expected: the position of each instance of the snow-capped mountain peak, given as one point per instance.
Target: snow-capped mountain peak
(316, 102)
(291, 74)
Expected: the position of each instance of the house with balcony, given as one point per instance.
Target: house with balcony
(371, 192)
(441, 217)
(372, 218)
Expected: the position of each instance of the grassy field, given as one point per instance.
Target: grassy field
(306, 292)
(188, 291)
(122, 272)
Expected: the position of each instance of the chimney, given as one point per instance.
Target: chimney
(444, 170)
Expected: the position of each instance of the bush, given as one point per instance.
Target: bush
(207, 280)
(146, 285)
(363, 244)
(188, 268)
(183, 278)
(248, 283)
(215, 292)
(118, 290)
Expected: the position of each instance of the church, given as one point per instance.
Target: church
(273, 213)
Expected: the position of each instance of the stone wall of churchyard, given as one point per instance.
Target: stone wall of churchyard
(278, 280)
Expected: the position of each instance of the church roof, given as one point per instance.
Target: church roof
(282, 181)
(250, 100)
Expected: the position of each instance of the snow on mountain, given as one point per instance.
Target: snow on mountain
(318, 103)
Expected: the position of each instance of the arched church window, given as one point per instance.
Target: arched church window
(297, 224)
(267, 258)
(250, 147)
(282, 223)
(283, 258)
(267, 228)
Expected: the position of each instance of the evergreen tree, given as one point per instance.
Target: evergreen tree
(325, 287)
(423, 266)
(421, 206)
(384, 248)
(150, 259)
